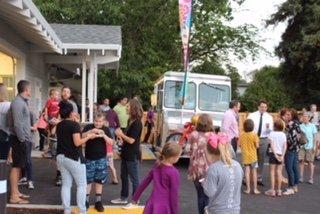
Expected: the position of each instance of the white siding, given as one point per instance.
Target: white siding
(30, 66)
(37, 75)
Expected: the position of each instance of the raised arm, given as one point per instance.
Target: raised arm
(144, 184)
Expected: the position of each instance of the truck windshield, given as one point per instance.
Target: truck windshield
(214, 97)
(173, 95)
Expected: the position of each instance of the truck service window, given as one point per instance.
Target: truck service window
(173, 95)
(214, 97)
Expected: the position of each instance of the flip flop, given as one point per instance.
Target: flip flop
(23, 196)
(19, 201)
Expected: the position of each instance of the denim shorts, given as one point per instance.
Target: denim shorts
(97, 171)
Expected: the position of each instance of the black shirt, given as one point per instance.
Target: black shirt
(130, 152)
(65, 131)
(96, 148)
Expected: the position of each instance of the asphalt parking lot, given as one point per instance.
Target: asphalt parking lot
(306, 201)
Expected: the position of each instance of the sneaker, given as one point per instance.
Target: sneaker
(310, 181)
(99, 207)
(301, 180)
(130, 206)
(30, 185)
(119, 201)
(58, 181)
(295, 189)
(23, 181)
(288, 191)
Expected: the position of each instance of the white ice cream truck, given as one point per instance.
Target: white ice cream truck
(209, 94)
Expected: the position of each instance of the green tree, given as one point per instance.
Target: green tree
(300, 48)
(151, 37)
(268, 86)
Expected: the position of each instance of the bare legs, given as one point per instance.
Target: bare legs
(248, 172)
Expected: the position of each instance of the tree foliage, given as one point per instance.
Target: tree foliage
(216, 69)
(268, 86)
(151, 37)
(300, 48)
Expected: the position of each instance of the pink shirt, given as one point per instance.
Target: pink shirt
(230, 124)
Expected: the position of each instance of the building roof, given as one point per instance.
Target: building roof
(26, 19)
(88, 34)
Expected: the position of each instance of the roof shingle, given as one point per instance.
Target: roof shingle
(88, 34)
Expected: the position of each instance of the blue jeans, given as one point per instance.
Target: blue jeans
(203, 199)
(71, 169)
(292, 168)
(129, 168)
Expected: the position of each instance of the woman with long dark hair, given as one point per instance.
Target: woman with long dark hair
(70, 158)
(130, 153)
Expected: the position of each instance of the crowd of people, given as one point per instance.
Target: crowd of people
(84, 153)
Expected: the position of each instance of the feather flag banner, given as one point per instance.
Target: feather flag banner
(185, 12)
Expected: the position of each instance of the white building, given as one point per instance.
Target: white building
(50, 55)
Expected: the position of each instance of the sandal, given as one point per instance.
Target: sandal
(18, 201)
(114, 183)
(271, 193)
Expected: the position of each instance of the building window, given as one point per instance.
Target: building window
(7, 73)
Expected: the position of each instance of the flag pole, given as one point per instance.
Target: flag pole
(185, 15)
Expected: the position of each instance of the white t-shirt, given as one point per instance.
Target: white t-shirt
(4, 108)
(279, 141)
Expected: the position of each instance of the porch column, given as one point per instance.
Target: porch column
(90, 88)
(83, 91)
(95, 96)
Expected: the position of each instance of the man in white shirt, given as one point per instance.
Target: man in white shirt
(263, 125)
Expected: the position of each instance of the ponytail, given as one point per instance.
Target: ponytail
(225, 153)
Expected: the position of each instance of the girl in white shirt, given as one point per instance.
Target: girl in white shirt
(276, 152)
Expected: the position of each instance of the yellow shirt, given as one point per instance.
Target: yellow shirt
(249, 142)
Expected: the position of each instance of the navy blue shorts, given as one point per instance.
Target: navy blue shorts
(97, 171)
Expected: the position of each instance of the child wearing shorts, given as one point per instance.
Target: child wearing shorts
(307, 152)
(96, 162)
(249, 143)
(276, 152)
